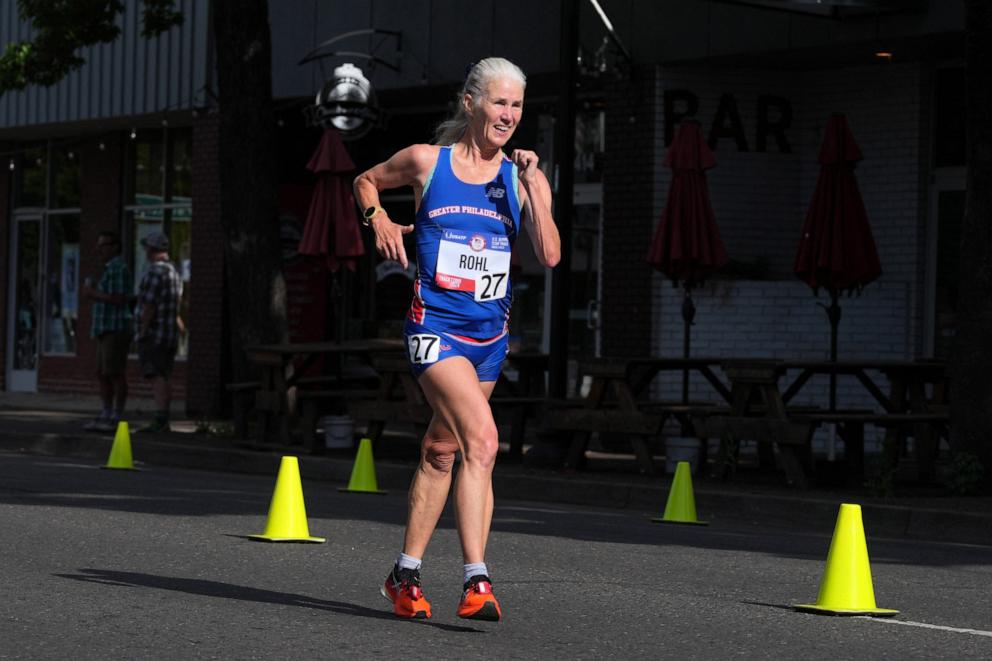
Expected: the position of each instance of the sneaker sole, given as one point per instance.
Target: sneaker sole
(487, 613)
(419, 615)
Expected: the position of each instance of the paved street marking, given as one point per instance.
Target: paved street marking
(924, 625)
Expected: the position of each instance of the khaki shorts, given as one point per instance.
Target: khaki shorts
(111, 353)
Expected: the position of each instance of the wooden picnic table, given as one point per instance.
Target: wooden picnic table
(523, 398)
(281, 367)
(905, 405)
(615, 403)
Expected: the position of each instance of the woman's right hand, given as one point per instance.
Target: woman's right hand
(389, 238)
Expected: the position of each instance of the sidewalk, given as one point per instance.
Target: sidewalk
(52, 425)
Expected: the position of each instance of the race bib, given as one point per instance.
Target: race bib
(423, 348)
(475, 262)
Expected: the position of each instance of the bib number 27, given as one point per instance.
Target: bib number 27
(423, 348)
(490, 286)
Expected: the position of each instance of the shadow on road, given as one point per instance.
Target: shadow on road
(44, 482)
(244, 593)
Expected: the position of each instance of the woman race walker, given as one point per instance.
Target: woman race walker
(471, 199)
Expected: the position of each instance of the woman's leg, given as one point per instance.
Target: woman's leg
(432, 482)
(461, 404)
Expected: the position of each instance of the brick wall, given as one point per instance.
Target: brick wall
(629, 209)
(760, 201)
(207, 345)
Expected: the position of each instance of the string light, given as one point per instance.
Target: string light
(71, 155)
(134, 134)
(103, 146)
(12, 165)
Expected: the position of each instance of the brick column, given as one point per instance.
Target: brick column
(628, 213)
(207, 347)
(6, 190)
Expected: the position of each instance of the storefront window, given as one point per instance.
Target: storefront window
(161, 202)
(31, 178)
(66, 178)
(148, 173)
(62, 283)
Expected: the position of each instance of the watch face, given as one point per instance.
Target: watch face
(370, 212)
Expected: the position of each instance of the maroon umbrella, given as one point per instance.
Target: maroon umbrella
(332, 229)
(686, 245)
(836, 250)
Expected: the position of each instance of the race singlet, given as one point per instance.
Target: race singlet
(476, 262)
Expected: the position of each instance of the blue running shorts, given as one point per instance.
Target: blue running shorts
(425, 347)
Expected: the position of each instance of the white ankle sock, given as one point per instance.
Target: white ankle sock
(475, 569)
(404, 561)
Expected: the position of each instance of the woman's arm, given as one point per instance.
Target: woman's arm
(536, 203)
(407, 167)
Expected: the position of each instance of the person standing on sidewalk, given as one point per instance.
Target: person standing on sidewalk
(158, 324)
(111, 326)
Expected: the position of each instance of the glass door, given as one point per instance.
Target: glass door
(25, 302)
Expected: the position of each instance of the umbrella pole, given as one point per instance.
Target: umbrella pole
(833, 314)
(688, 314)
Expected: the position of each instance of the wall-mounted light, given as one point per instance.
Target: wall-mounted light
(346, 102)
(134, 134)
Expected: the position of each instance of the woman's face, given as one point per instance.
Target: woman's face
(495, 118)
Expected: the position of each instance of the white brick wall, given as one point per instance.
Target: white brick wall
(760, 202)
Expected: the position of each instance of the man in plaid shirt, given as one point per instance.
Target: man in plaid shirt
(158, 324)
(111, 326)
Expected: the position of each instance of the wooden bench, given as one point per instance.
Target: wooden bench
(923, 426)
(519, 409)
(398, 399)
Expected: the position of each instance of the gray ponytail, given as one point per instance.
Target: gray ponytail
(485, 71)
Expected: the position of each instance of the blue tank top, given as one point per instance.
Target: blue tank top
(465, 235)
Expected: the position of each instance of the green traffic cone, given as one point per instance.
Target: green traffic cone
(681, 506)
(363, 472)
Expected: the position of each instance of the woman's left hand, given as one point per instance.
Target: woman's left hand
(526, 162)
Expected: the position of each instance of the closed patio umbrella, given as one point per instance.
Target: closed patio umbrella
(331, 229)
(836, 250)
(686, 245)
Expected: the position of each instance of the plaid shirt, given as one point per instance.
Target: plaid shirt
(108, 317)
(162, 288)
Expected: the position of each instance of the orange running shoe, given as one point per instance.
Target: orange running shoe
(402, 587)
(478, 601)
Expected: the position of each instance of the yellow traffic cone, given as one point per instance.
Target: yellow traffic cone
(287, 513)
(681, 505)
(363, 472)
(120, 451)
(846, 587)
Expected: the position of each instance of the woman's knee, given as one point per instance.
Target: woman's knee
(482, 445)
(439, 452)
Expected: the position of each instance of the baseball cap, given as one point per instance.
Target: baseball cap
(156, 241)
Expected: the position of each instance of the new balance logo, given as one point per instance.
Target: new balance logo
(495, 193)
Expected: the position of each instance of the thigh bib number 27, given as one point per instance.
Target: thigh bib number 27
(476, 262)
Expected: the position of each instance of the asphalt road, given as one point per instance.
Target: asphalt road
(111, 565)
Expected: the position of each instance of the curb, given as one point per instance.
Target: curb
(798, 513)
